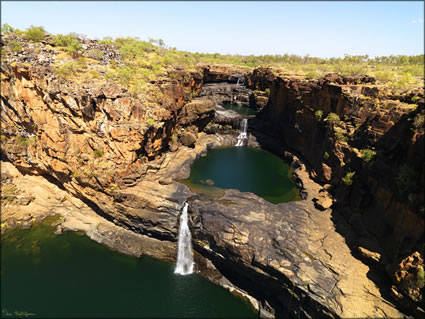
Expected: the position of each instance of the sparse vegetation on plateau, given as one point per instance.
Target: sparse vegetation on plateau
(146, 61)
(69, 42)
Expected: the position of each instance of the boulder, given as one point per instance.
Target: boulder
(323, 201)
(198, 112)
(369, 255)
(188, 139)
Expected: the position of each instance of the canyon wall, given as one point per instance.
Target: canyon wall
(334, 124)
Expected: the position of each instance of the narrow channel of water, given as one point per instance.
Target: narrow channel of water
(44, 275)
(246, 169)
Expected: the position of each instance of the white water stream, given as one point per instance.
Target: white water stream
(185, 263)
(243, 135)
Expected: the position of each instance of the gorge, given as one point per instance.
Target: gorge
(346, 242)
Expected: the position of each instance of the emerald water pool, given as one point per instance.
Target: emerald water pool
(243, 110)
(246, 169)
(44, 275)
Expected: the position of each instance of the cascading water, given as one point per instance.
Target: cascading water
(185, 263)
(242, 136)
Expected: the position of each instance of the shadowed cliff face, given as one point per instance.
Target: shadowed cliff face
(383, 199)
(297, 114)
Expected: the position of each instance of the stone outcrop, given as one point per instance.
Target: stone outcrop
(288, 256)
(226, 93)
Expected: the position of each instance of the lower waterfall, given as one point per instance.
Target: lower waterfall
(243, 135)
(185, 263)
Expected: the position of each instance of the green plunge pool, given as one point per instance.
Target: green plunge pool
(243, 110)
(44, 275)
(246, 169)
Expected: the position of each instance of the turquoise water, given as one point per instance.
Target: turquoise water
(43, 275)
(243, 110)
(246, 169)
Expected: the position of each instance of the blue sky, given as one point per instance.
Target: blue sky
(322, 29)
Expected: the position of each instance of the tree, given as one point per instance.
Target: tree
(35, 34)
(5, 28)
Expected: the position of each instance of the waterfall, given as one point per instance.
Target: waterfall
(243, 135)
(185, 263)
(237, 83)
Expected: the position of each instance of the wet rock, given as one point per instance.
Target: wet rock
(208, 182)
(26, 224)
(58, 230)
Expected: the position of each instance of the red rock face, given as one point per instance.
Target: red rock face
(87, 138)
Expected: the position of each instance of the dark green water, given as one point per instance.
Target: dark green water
(246, 169)
(243, 110)
(72, 276)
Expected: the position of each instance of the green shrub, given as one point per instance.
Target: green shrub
(5, 28)
(407, 180)
(66, 70)
(367, 155)
(63, 40)
(318, 114)
(73, 48)
(267, 91)
(348, 179)
(107, 41)
(15, 46)
(312, 75)
(326, 155)
(403, 83)
(340, 136)
(332, 118)
(97, 153)
(26, 141)
(414, 98)
(96, 54)
(150, 122)
(69, 42)
(384, 76)
(34, 34)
